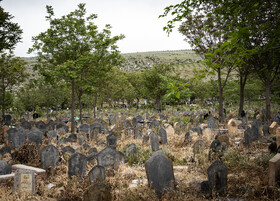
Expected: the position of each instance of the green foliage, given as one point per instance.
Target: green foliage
(140, 158)
(184, 119)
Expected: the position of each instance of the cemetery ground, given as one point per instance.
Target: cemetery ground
(247, 165)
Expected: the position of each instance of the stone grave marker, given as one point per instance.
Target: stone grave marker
(198, 146)
(272, 128)
(84, 128)
(5, 168)
(24, 181)
(34, 136)
(257, 123)
(159, 171)
(212, 123)
(109, 157)
(188, 138)
(163, 136)
(217, 176)
(131, 149)
(51, 134)
(95, 129)
(266, 129)
(112, 140)
(25, 124)
(154, 141)
(137, 133)
(49, 157)
(41, 125)
(4, 150)
(16, 136)
(77, 165)
(97, 192)
(278, 137)
(92, 154)
(7, 120)
(276, 118)
(97, 173)
(251, 135)
(67, 149)
(274, 170)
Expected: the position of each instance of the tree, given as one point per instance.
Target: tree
(72, 49)
(10, 32)
(12, 73)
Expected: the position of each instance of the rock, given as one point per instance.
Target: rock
(232, 126)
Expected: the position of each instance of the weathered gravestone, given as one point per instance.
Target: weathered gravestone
(77, 165)
(4, 150)
(217, 177)
(7, 120)
(49, 157)
(92, 154)
(266, 129)
(97, 173)
(24, 181)
(154, 124)
(41, 125)
(5, 168)
(25, 124)
(276, 118)
(250, 135)
(131, 150)
(198, 147)
(274, 170)
(51, 134)
(68, 149)
(137, 133)
(212, 123)
(16, 136)
(109, 157)
(154, 141)
(159, 171)
(34, 136)
(217, 148)
(163, 136)
(188, 138)
(95, 129)
(61, 131)
(112, 140)
(257, 123)
(84, 128)
(198, 130)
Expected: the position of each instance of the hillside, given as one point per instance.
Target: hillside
(185, 61)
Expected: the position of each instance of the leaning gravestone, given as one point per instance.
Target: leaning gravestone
(109, 157)
(97, 173)
(217, 176)
(49, 157)
(160, 173)
(163, 136)
(24, 181)
(212, 123)
(137, 133)
(266, 129)
(198, 147)
(34, 136)
(77, 165)
(154, 141)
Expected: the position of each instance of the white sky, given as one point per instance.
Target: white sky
(136, 19)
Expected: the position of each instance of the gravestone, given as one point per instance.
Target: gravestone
(163, 136)
(216, 147)
(77, 165)
(274, 170)
(92, 154)
(131, 149)
(49, 157)
(159, 171)
(4, 150)
(26, 125)
(266, 129)
(67, 149)
(257, 123)
(41, 125)
(137, 133)
(5, 168)
(276, 118)
(97, 192)
(16, 137)
(92, 150)
(112, 140)
(34, 136)
(154, 141)
(217, 176)
(188, 138)
(7, 120)
(24, 181)
(84, 128)
(251, 135)
(154, 124)
(97, 173)
(198, 146)
(212, 123)
(109, 157)
(51, 134)
(198, 130)
(95, 129)
(146, 138)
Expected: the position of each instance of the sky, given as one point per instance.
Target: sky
(136, 19)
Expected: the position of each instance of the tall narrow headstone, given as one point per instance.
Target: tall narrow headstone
(77, 165)
(212, 123)
(49, 157)
(163, 136)
(154, 141)
(217, 176)
(109, 157)
(97, 173)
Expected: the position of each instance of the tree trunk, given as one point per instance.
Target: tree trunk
(73, 107)
(221, 111)
(267, 100)
(3, 101)
(242, 83)
(94, 105)
(80, 107)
